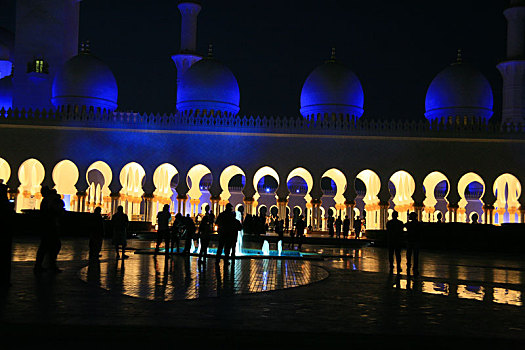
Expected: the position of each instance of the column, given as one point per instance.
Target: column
(453, 212)
(248, 205)
(148, 206)
(114, 201)
(488, 214)
(281, 206)
(215, 206)
(521, 212)
(383, 215)
(181, 204)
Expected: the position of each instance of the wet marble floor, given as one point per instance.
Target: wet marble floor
(350, 293)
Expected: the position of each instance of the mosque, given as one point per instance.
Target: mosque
(61, 126)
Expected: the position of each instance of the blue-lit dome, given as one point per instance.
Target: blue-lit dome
(6, 92)
(459, 90)
(208, 85)
(332, 88)
(85, 80)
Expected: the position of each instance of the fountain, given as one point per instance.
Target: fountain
(266, 248)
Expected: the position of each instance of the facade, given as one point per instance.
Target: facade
(331, 160)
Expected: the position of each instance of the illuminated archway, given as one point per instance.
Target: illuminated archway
(259, 174)
(301, 174)
(5, 171)
(226, 176)
(430, 183)
(162, 178)
(30, 174)
(193, 179)
(131, 178)
(98, 177)
(507, 190)
(373, 186)
(474, 194)
(65, 177)
(404, 187)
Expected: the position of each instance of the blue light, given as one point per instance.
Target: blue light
(267, 190)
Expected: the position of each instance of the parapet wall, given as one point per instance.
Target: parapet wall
(446, 127)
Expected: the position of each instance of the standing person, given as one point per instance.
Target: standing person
(205, 230)
(177, 231)
(228, 228)
(300, 226)
(330, 223)
(413, 240)
(57, 209)
(346, 227)
(286, 223)
(51, 208)
(357, 227)
(163, 231)
(394, 229)
(292, 234)
(46, 225)
(7, 215)
(97, 234)
(189, 225)
(120, 224)
(279, 228)
(338, 227)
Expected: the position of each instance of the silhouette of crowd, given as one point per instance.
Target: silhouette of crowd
(400, 235)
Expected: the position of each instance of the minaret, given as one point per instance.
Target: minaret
(513, 68)
(187, 54)
(46, 37)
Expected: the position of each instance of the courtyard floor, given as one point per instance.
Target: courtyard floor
(349, 299)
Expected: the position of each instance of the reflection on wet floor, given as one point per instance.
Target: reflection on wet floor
(486, 277)
(183, 278)
(461, 291)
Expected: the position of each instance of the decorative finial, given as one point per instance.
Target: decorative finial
(332, 56)
(84, 47)
(210, 50)
(459, 59)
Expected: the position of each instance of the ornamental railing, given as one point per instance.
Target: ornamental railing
(445, 127)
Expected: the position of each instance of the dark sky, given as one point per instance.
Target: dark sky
(394, 47)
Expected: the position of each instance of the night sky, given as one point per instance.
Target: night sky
(394, 47)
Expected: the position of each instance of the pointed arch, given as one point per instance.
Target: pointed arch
(463, 183)
(5, 171)
(507, 189)
(31, 175)
(98, 177)
(227, 174)
(404, 186)
(430, 184)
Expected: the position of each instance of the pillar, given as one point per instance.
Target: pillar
(181, 204)
(81, 200)
(281, 207)
(453, 212)
(114, 201)
(521, 212)
(383, 215)
(488, 214)
(215, 205)
(248, 205)
(148, 207)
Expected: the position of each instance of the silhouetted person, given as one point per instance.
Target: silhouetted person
(229, 226)
(413, 241)
(474, 219)
(357, 227)
(190, 232)
(205, 230)
(439, 217)
(292, 234)
(300, 226)
(346, 227)
(394, 230)
(51, 210)
(120, 224)
(97, 234)
(279, 228)
(7, 215)
(338, 227)
(330, 224)
(286, 223)
(163, 231)
(177, 231)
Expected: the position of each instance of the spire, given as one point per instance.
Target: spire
(332, 56)
(459, 58)
(84, 47)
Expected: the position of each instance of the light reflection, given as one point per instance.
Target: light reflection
(507, 296)
(182, 278)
